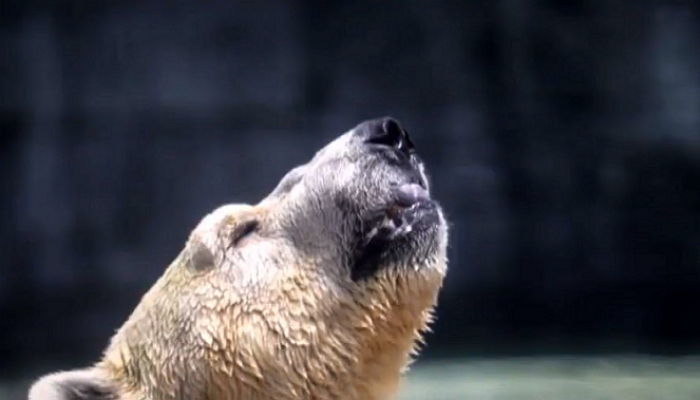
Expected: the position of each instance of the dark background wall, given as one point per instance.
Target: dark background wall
(563, 139)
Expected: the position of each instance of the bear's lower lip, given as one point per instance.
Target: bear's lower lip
(391, 232)
(420, 214)
(401, 219)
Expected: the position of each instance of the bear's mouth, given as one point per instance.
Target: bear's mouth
(390, 230)
(411, 209)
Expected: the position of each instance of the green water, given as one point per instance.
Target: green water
(556, 378)
(535, 378)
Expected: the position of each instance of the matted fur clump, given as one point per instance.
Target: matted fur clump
(320, 291)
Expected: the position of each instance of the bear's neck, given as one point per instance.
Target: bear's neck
(294, 346)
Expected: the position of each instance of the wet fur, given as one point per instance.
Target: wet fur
(257, 306)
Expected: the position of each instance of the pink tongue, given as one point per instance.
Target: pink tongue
(411, 193)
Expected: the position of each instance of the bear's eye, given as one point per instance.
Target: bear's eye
(242, 230)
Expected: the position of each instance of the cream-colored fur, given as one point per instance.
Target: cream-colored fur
(254, 328)
(262, 302)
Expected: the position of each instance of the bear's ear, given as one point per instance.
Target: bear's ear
(225, 227)
(73, 385)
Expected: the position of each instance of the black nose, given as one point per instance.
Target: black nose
(387, 132)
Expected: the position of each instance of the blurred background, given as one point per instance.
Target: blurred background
(563, 139)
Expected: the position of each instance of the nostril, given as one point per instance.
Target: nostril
(388, 132)
(385, 131)
(393, 131)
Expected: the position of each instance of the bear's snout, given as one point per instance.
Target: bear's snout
(386, 132)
